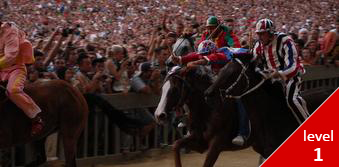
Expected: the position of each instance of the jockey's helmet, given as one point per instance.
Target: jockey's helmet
(265, 25)
(206, 47)
(212, 21)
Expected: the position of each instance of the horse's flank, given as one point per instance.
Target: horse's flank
(63, 108)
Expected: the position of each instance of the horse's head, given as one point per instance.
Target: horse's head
(178, 88)
(183, 46)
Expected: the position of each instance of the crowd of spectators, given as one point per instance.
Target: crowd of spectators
(117, 36)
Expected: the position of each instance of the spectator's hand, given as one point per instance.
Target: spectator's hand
(125, 63)
(109, 80)
(98, 75)
(318, 53)
(159, 38)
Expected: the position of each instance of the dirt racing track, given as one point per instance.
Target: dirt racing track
(243, 158)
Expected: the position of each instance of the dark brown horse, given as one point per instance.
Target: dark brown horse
(264, 100)
(63, 109)
(215, 124)
(209, 130)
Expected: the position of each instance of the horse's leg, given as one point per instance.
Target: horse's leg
(70, 143)
(5, 158)
(213, 151)
(70, 135)
(39, 146)
(178, 145)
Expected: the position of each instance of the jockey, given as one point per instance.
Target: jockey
(219, 34)
(209, 54)
(15, 52)
(276, 53)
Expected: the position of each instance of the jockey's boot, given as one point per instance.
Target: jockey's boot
(37, 126)
(239, 140)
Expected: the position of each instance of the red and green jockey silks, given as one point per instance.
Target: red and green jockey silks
(225, 38)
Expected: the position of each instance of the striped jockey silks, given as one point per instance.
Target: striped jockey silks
(294, 100)
(281, 54)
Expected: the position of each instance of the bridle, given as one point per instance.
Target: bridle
(224, 93)
(183, 95)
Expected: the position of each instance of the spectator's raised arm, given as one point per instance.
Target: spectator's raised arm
(53, 52)
(47, 46)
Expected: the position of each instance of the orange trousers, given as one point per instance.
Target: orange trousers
(16, 77)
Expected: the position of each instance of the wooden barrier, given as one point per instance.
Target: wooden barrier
(315, 77)
(321, 76)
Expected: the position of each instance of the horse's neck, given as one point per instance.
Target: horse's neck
(199, 110)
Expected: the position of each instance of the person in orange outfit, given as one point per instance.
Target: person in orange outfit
(15, 52)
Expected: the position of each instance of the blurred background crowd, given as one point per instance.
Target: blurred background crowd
(102, 43)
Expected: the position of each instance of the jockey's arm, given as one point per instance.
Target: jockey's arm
(189, 58)
(11, 49)
(216, 58)
(290, 59)
(196, 63)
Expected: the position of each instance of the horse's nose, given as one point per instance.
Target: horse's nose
(162, 116)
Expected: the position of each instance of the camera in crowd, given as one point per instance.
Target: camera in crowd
(106, 76)
(66, 31)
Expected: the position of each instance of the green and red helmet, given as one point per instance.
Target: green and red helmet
(212, 21)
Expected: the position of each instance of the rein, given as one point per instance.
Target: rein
(224, 92)
(182, 92)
